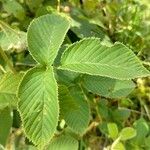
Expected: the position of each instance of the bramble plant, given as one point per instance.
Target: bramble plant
(52, 96)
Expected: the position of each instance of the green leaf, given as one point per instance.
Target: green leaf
(11, 39)
(34, 5)
(45, 36)
(38, 105)
(83, 28)
(127, 133)
(66, 77)
(108, 87)
(63, 142)
(118, 146)
(13, 7)
(89, 56)
(142, 130)
(8, 89)
(5, 125)
(113, 130)
(74, 108)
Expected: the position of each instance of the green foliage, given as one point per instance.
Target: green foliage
(72, 75)
(108, 87)
(5, 125)
(48, 40)
(38, 105)
(63, 142)
(8, 87)
(89, 56)
(74, 108)
(11, 39)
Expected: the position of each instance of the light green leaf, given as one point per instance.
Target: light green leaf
(11, 39)
(117, 146)
(38, 105)
(45, 36)
(89, 56)
(63, 142)
(127, 133)
(112, 130)
(8, 88)
(74, 108)
(108, 87)
(5, 125)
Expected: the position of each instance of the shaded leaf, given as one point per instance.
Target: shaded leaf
(108, 87)
(74, 108)
(63, 142)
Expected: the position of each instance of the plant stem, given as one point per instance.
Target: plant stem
(58, 5)
(6, 59)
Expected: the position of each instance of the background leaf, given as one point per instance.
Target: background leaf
(63, 142)
(5, 125)
(108, 87)
(8, 88)
(38, 105)
(15, 8)
(74, 108)
(11, 38)
(113, 130)
(127, 133)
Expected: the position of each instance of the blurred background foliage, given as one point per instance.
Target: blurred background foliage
(127, 21)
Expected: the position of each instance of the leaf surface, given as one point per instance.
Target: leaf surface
(63, 142)
(38, 105)
(108, 87)
(11, 39)
(45, 36)
(8, 89)
(127, 133)
(89, 56)
(5, 125)
(74, 108)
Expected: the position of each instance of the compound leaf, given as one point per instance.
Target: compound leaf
(38, 105)
(45, 35)
(89, 56)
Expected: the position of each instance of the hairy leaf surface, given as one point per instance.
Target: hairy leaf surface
(38, 105)
(91, 57)
(45, 35)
